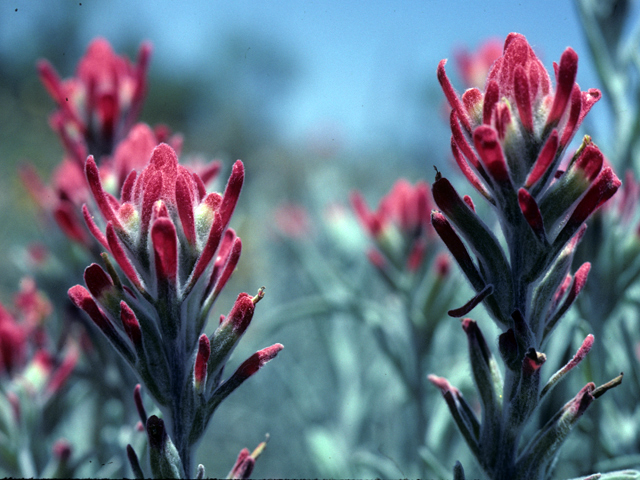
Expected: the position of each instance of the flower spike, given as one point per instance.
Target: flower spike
(520, 126)
(168, 236)
(400, 228)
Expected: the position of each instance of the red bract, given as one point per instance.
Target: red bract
(246, 461)
(202, 360)
(98, 106)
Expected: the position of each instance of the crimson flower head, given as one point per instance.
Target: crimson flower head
(508, 142)
(96, 114)
(98, 106)
(516, 130)
(25, 356)
(401, 225)
(165, 228)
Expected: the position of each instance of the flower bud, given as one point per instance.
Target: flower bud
(163, 455)
(243, 467)
(130, 324)
(202, 359)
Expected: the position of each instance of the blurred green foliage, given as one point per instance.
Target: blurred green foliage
(331, 402)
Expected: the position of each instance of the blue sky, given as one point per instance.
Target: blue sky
(356, 60)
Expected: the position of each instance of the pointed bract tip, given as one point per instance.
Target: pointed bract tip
(256, 361)
(241, 313)
(567, 71)
(468, 325)
(597, 392)
(137, 399)
(259, 296)
(452, 96)
(442, 383)
(581, 353)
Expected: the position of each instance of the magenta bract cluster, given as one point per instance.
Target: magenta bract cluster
(170, 239)
(400, 226)
(98, 106)
(167, 222)
(27, 355)
(516, 131)
(508, 142)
